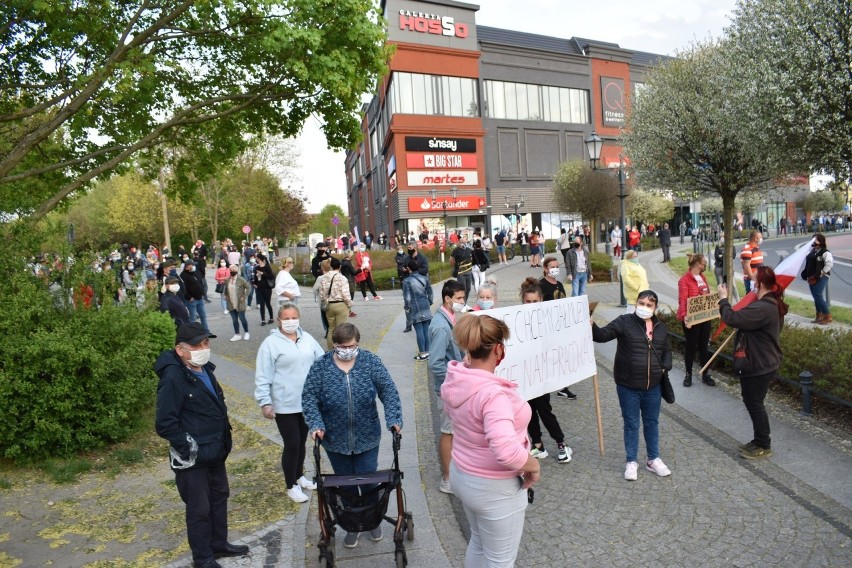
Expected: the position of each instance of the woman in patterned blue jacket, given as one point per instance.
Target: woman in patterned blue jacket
(339, 405)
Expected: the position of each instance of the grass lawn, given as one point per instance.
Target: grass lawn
(798, 306)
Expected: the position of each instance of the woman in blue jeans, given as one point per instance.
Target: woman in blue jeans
(817, 270)
(643, 354)
(417, 293)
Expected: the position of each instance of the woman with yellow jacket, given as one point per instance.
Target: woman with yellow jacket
(633, 279)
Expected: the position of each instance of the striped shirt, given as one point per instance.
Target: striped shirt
(753, 255)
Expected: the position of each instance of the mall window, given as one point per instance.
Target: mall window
(519, 101)
(416, 93)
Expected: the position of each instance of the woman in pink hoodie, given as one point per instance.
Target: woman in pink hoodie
(491, 463)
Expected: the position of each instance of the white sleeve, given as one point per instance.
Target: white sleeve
(829, 262)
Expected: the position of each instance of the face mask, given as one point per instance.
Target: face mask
(633, 260)
(346, 353)
(253, 261)
(553, 272)
(485, 304)
(290, 326)
(457, 307)
(399, 251)
(199, 358)
(233, 274)
(362, 249)
(760, 241)
(577, 245)
(174, 288)
(222, 264)
(411, 252)
(644, 312)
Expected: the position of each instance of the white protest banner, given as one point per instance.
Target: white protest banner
(702, 308)
(549, 346)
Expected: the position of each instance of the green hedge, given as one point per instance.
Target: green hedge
(823, 352)
(73, 379)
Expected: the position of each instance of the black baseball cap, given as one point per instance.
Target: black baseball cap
(191, 334)
(322, 245)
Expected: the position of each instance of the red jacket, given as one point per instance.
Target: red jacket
(687, 287)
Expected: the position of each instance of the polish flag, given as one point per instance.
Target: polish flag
(785, 273)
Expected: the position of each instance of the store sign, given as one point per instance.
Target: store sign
(392, 182)
(612, 101)
(440, 160)
(423, 204)
(434, 144)
(441, 178)
(434, 24)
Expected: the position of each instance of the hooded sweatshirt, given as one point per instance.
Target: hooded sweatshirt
(489, 422)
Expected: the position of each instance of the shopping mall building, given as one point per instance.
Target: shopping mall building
(486, 114)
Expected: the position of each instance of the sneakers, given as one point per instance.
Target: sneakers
(227, 312)
(566, 393)
(747, 446)
(631, 471)
(755, 452)
(236, 337)
(564, 455)
(407, 329)
(539, 453)
(246, 336)
(262, 322)
(366, 299)
(421, 357)
(377, 297)
(708, 380)
(353, 314)
(351, 540)
(445, 487)
(658, 467)
(376, 534)
(305, 483)
(270, 321)
(295, 493)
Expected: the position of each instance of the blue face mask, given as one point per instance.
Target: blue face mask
(485, 304)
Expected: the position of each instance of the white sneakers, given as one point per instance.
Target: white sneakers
(631, 471)
(236, 337)
(445, 487)
(306, 483)
(246, 336)
(295, 493)
(658, 467)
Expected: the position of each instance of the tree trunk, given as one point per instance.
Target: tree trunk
(728, 214)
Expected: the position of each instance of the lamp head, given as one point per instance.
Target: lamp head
(594, 144)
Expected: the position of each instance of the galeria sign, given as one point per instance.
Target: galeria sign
(549, 346)
(432, 24)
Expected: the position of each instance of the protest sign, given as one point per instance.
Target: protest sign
(549, 346)
(701, 308)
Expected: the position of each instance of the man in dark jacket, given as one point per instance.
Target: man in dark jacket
(194, 294)
(192, 416)
(321, 255)
(422, 261)
(172, 303)
(665, 236)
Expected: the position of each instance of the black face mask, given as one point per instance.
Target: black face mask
(411, 252)
(576, 245)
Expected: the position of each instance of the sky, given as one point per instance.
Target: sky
(655, 26)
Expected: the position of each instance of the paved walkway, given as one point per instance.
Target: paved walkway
(715, 510)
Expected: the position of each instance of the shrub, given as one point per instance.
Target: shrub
(73, 378)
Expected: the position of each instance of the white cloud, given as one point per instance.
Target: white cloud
(656, 26)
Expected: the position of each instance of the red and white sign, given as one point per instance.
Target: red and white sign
(443, 178)
(424, 204)
(246, 229)
(432, 24)
(418, 161)
(392, 182)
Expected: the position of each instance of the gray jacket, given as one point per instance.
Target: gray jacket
(571, 262)
(442, 348)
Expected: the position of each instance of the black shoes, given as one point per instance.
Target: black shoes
(231, 550)
(687, 380)
(566, 393)
(407, 329)
(206, 564)
(708, 380)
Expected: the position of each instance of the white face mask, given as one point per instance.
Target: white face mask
(174, 288)
(346, 353)
(760, 241)
(290, 326)
(458, 307)
(554, 272)
(644, 312)
(485, 304)
(200, 358)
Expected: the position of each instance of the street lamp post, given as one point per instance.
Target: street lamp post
(594, 145)
(513, 204)
(454, 193)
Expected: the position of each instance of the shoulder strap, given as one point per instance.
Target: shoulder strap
(330, 284)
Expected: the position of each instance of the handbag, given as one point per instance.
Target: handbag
(220, 287)
(666, 389)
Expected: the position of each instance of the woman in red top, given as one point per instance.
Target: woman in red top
(697, 336)
(635, 237)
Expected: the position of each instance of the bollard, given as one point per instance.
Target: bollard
(393, 282)
(806, 379)
(304, 280)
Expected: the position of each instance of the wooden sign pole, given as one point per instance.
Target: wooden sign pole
(598, 413)
(719, 350)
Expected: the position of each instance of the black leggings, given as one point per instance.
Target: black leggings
(697, 339)
(368, 282)
(264, 300)
(293, 432)
(753, 391)
(541, 409)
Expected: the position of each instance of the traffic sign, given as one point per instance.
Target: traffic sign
(335, 220)
(246, 229)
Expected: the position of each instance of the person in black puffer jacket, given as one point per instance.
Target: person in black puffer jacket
(192, 416)
(643, 354)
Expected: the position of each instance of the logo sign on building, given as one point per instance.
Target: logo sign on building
(419, 161)
(435, 24)
(612, 101)
(424, 204)
(549, 346)
(440, 23)
(443, 178)
(392, 182)
(435, 144)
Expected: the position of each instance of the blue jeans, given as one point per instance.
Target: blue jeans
(578, 284)
(349, 464)
(197, 311)
(647, 402)
(818, 292)
(242, 319)
(421, 329)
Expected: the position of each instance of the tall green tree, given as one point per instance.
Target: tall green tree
(593, 194)
(685, 134)
(651, 207)
(86, 85)
(322, 221)
(794, 60)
